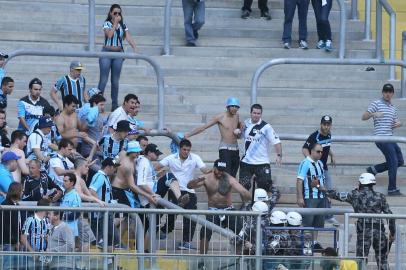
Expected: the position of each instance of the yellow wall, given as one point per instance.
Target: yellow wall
(400, 8)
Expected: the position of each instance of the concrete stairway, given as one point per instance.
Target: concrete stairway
(198, 80)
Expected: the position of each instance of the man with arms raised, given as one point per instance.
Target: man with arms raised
(229, 125)
(219, 186)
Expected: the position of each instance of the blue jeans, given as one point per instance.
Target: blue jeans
(322, 13)
(115, 65)
(193, 13)
(394, 159)
(289, 9)
(10, 261)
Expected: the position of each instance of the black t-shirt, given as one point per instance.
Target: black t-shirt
(324, 141)
(35, 189)
(5, 142)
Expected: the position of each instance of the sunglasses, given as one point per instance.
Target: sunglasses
(319, 152)
(116, 13)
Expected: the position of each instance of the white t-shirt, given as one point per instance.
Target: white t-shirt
(116, 116)
(146, 176)
(259, 141)
(37, 140)
(183, 170)
(58, 162)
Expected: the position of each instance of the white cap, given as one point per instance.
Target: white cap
(278, 217)
(260, 195)
(260, 207)
(294, 218)
(366, 179)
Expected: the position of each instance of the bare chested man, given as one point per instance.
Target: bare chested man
(18, 142)
(219, 186)
(230, 129)
(67, 122)
(124, 186)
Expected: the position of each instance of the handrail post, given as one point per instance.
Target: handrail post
(354, 10)
(378, 48)
(105, 238)
(367, 26)
(92, 22)
(403, 80)
(167, 28)
(343, 21)
(258, 246)
(398, 246)
(152, 236)
(346, 234)
(392, 45)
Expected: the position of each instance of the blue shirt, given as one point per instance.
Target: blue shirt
(6, 178)
(117, 39)
(102, 185)
(31, 111)
(71, 199)
(68, 86)
(36, 231)
(307, 170)
(2, 74)
(111, 147)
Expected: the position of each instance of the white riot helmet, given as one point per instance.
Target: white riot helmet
(294, 218)
(260, 207)
(260, 195)
(366, 179)
(278, 217)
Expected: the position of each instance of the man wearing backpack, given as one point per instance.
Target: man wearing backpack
(37, 145)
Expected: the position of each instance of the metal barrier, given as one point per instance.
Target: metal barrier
(167, 28)
(288, 61)
(367, 28)
(158, 70)
(373, 233)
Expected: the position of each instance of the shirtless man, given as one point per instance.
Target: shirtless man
(124, 186)
(230, 129)
(219, 186)
(18, 143)
(67, 122)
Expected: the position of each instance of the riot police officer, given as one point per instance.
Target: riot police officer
(369, 230)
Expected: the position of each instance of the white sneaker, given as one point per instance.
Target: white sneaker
(333, 221)
(329, 46)
(286, 45)
(303, 45)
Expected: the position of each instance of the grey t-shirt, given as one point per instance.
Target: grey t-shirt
(61, 240)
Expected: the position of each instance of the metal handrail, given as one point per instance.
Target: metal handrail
(347, 138)
(392, 35)
(288, 61)
(92, 21)
(158, 70)
(167, 28)
(398, 236)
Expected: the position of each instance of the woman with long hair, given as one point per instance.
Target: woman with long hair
(115, 32)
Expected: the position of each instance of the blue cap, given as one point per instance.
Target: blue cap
(93, 91)
(9, 156)
(133, 147)
(45, 122)
(232, 101)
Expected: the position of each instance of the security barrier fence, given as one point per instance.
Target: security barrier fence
(115, 237)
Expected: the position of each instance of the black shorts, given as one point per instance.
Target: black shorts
(125, 196)
(262, 174)
(232, 158)
(231, 222)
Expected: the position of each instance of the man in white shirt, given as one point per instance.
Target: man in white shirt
(181, 166)
(37, 145)
(59, 164)
(122, 112)
(258, 136)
